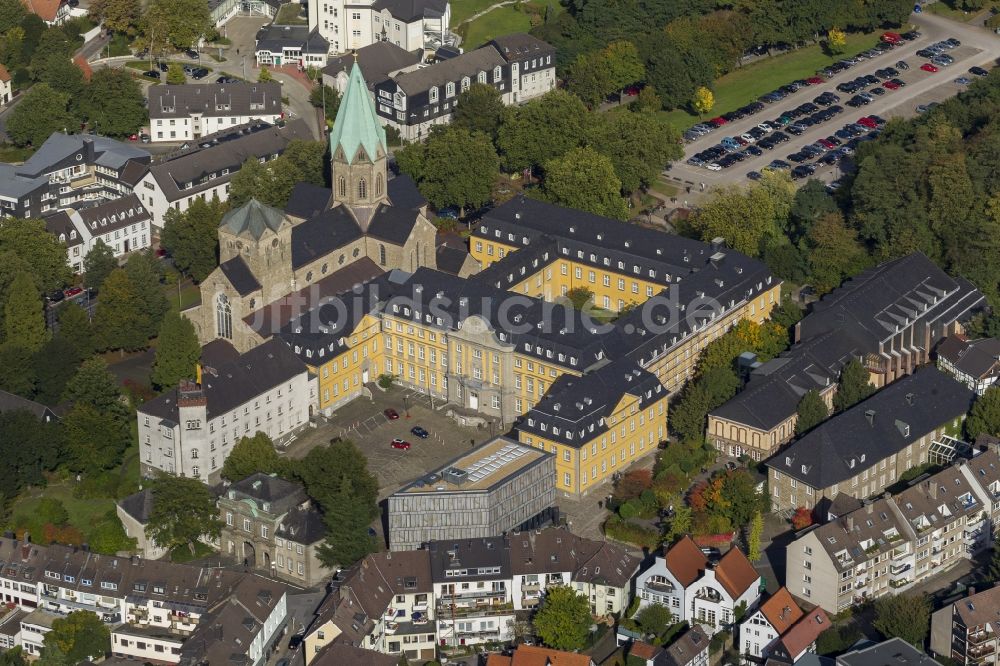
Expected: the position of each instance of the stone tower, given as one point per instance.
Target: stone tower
(261, 236)
(358, 152)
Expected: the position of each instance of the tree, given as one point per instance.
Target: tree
(647, 101)
(854, 385)
(183, 511)
(309, 160)
(41, 112)
(834, 252)
(79, 636)
(321, 470)
(655, 619)
(984, 418)
(993, 573)
(119, 320)
(75, 329)
(93, 442)
(98, 264)
(113, 103)
(563, 621)
(325, 95)
(17, 372)
(459, 168)
(347, 522)
(265, 75)
(121, 16)
(23, 316)
(639, 146)
(177, 351)
(579, 297)
(60, 72)
(252, 455)
(55, 364)
(192, 237)
(12, 12)
(905, 616)
(811, 412)
(178, 22)
(541, 130)
(703, 101)
(689, 412)
(21, 239)
(94, 385)
(748, 218)
(29, 447)
(802, 518)
(589, 78)
(623, 63)
(680, 524)
(13, 657)
(143, 271)
(479, 109)
(270, 183)
(836, 40)
(175, 74)
(753, 540)
(584, 179)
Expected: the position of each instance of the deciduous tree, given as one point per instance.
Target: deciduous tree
(75, 329)
(347, 522)
(175, 74)
(802, 518)
(905, 616)
(99, 263)
(252, 455)
(639, 145)
(459, 168)
(984, 418)
(23, 316)
(655, 619)
(118, 15)
(113, 103)
(586, 180)
(11, 14)
(177, 351)
(703, 101)
(93, 442)
(183, 512)
(80, 636)
(836, 40)
(855, 385)
(177, 22)
(541, 130)
(192, 237)
(753, 540)
(120, 321)
(479, 109)
(41, 112)
(563, 622)
(25, 244)
(323, 95)
(811, 412)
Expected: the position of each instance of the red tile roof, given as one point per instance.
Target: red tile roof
(644, 650)
(805, 632)
(4, 74)
(781, 611)
(531, 655)
(735, 572)
(685, 561)
(44, 9)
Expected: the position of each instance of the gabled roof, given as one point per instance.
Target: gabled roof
(43, 9)
(377, 61)
(10, 402)
(534, 655)
(338, 654)
(805, 632)
(357, 125)
(685, 561)
(4, 74)
(239, 275)
(688, 646)
(411, 10)
(138, 505)
(781, 610)
(977, 358)
(736, 573)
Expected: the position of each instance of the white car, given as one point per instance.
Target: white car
(714, 166)
(748, 138)
(767, 127)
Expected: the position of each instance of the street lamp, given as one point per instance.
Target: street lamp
(244, 62)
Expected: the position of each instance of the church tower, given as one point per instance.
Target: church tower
(358, 152)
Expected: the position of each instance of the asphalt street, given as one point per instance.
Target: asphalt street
(979, 47)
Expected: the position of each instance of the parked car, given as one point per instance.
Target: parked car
(963, 81)
(55, 296)
(199, 73)
(928, 67)
(978, 71)
(72, 291)
(401, 444)
(152, 74)
(891, 85)
(902, 64)
(226, 79)
(191, 53)
(145, 138)
(419, 432)
(391, 414)
(754, 175)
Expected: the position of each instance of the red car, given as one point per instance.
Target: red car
(891, 85)
(391, 414)
(73, 291)
(892, 38)
(867, 122)
(815, 80)
(928, 67)
(401, 444)
(829, 145)
(719, 121)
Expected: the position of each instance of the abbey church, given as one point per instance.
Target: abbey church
(324, 241)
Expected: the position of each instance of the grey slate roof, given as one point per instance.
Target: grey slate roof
(215, 99)
(275, 38)
(232, 384)
(138, 505)
(977, 358)
(322, 234)
(377, 61)
(254, 218)
(267, 488)
(307, 200)
(114, 214)
(884, 424)
(303, 526)
(470, 555)
(469, 64)
(518, 45)
(9, 402)
(106, 152)
(239, 275)
(894, 651)
(60, 224)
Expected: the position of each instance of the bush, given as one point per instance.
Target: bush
(385, 381)
(50, 510)
(108, 536)
(837, 639)
(95, 486)
(622, 530)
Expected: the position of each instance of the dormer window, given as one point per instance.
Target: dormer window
(450, 89)
(496, 74)
(482, 77)
(433, 94)
(466, 82)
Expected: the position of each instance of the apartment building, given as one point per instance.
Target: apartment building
(154, 608)
(889, 317)
(497, 487)
(412, 26)
(122, 224)
(894, 542)
(965, 631)
(190, 111)
(781, 630)
(683, 580)
(203, 170)
(867, 448)
(71, 171)
(190, 430)
(975, 363)
(519, 66)
(894, 650)
(270, 524)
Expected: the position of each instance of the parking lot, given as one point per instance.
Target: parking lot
(920, 88)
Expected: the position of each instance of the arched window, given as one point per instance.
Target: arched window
(224, 317)
(378, 185)
(342, 186)
(381, 254)
(362, 189)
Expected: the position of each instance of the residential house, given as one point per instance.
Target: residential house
(892, 651)
(498, 486)
(520, 66)
(866, 448)
(191, 111)
(780, 629)
(278, 45)
(71, 171)
(965, 631)
(10, 627)
(271, 524)
(190, 430)
(53, 12)
(410, 25)
(975, 363)
(123, 224)
(645, 654)
(336, 654)
(6, 86)
(34, 626)
(689, 649)
(798, 644)
(378, 62)
(11, 402)
(897, 541)
(472, 590)
(205, 169)
(888, 317)
(683, 580)
(535, 655)
(134, 512)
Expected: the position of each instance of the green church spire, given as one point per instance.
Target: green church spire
(357, 124)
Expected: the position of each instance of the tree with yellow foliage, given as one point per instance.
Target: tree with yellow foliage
(836, 40)
(703, 100)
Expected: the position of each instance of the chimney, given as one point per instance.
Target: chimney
(850, 523)
(870, 415)
(932, 489)
(870, 507)
(972, 590)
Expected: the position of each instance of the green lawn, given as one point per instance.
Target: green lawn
(463, 9)
(290, 14)
(83, 513)
(943, 9)
(9, 153)
(746, 84)
(665, 188)
(500, 21)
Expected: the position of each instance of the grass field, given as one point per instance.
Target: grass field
(290, 14)
(463, 9)
(665, 188)
(500, 21)
(943, 9)
(9, 153)
(748, 83)
(83, 513)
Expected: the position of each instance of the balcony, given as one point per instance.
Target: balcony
(898, 583)
(973, 535)
(448, 612)
(657, 586)
(981, 636)
(473, 594)
(980, 651)
(85, 180)
(708, 594)
(898, 570)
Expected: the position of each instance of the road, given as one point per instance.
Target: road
(979, 47)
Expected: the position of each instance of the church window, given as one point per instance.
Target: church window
(381, 255)
(224, 317)
(309, 276)
(324, 269)
(340, 260)
(342, 186)
(378, 185)
(356, 252)
(362, 189)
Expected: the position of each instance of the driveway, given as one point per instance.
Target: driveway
(979, 47)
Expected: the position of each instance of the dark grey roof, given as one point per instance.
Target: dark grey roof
(469, 555)
(239, 275)
(96, 149)
(232, 384)
(684, 650)
(275, 38)
(392, 223)
(215, 99)
(452, 253)
(302, 526)
(977, 358)
(411, 10)
(322, 234)
(138, 505)
(403, 193)
(518, 45)
(253, 218)
(114, 214)
(337, 654)
(307, 200)
(60, 224)
(470, 63)
(894, 651)
(883, 425)
(377, 61)
(267, 488)
(10, 402)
